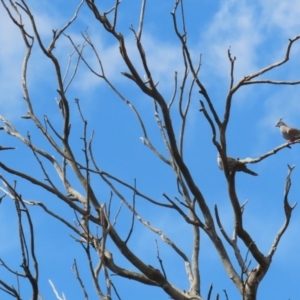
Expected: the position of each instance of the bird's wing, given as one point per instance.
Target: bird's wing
(293, 132)
(220, 162)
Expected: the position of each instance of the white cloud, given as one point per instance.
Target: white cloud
(12, 53)
(11, 62)
(283, 15)
(258, 34)
(163, 61)
(231, 27)
(248, 29)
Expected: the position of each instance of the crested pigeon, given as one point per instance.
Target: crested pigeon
(234, 165)
(289, 133)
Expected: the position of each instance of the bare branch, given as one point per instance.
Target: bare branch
(77, 274)
(232, 60)
(272, 82)
(267, 154)
(209, 292)
(232, 243)
(160, 260)
(184, 112)
(175, 90)
(248, 78)
(56, 293)
(211, 123)
(182, 38)
(141, 23)
(288, 213)
(132, 220)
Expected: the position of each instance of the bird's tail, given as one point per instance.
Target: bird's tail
(246, 170)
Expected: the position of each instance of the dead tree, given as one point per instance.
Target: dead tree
(72, 178)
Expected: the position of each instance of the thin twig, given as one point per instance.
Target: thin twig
(77, 274)
(141, 22)
(160, 260)
(132, 220)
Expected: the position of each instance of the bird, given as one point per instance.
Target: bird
(234, 165)
(289, 133)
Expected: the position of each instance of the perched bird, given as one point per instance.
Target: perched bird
(289, 133)
(234, 164)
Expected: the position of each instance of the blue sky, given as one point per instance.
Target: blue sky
(258, 35)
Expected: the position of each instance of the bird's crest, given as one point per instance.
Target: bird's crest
(280, 122)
